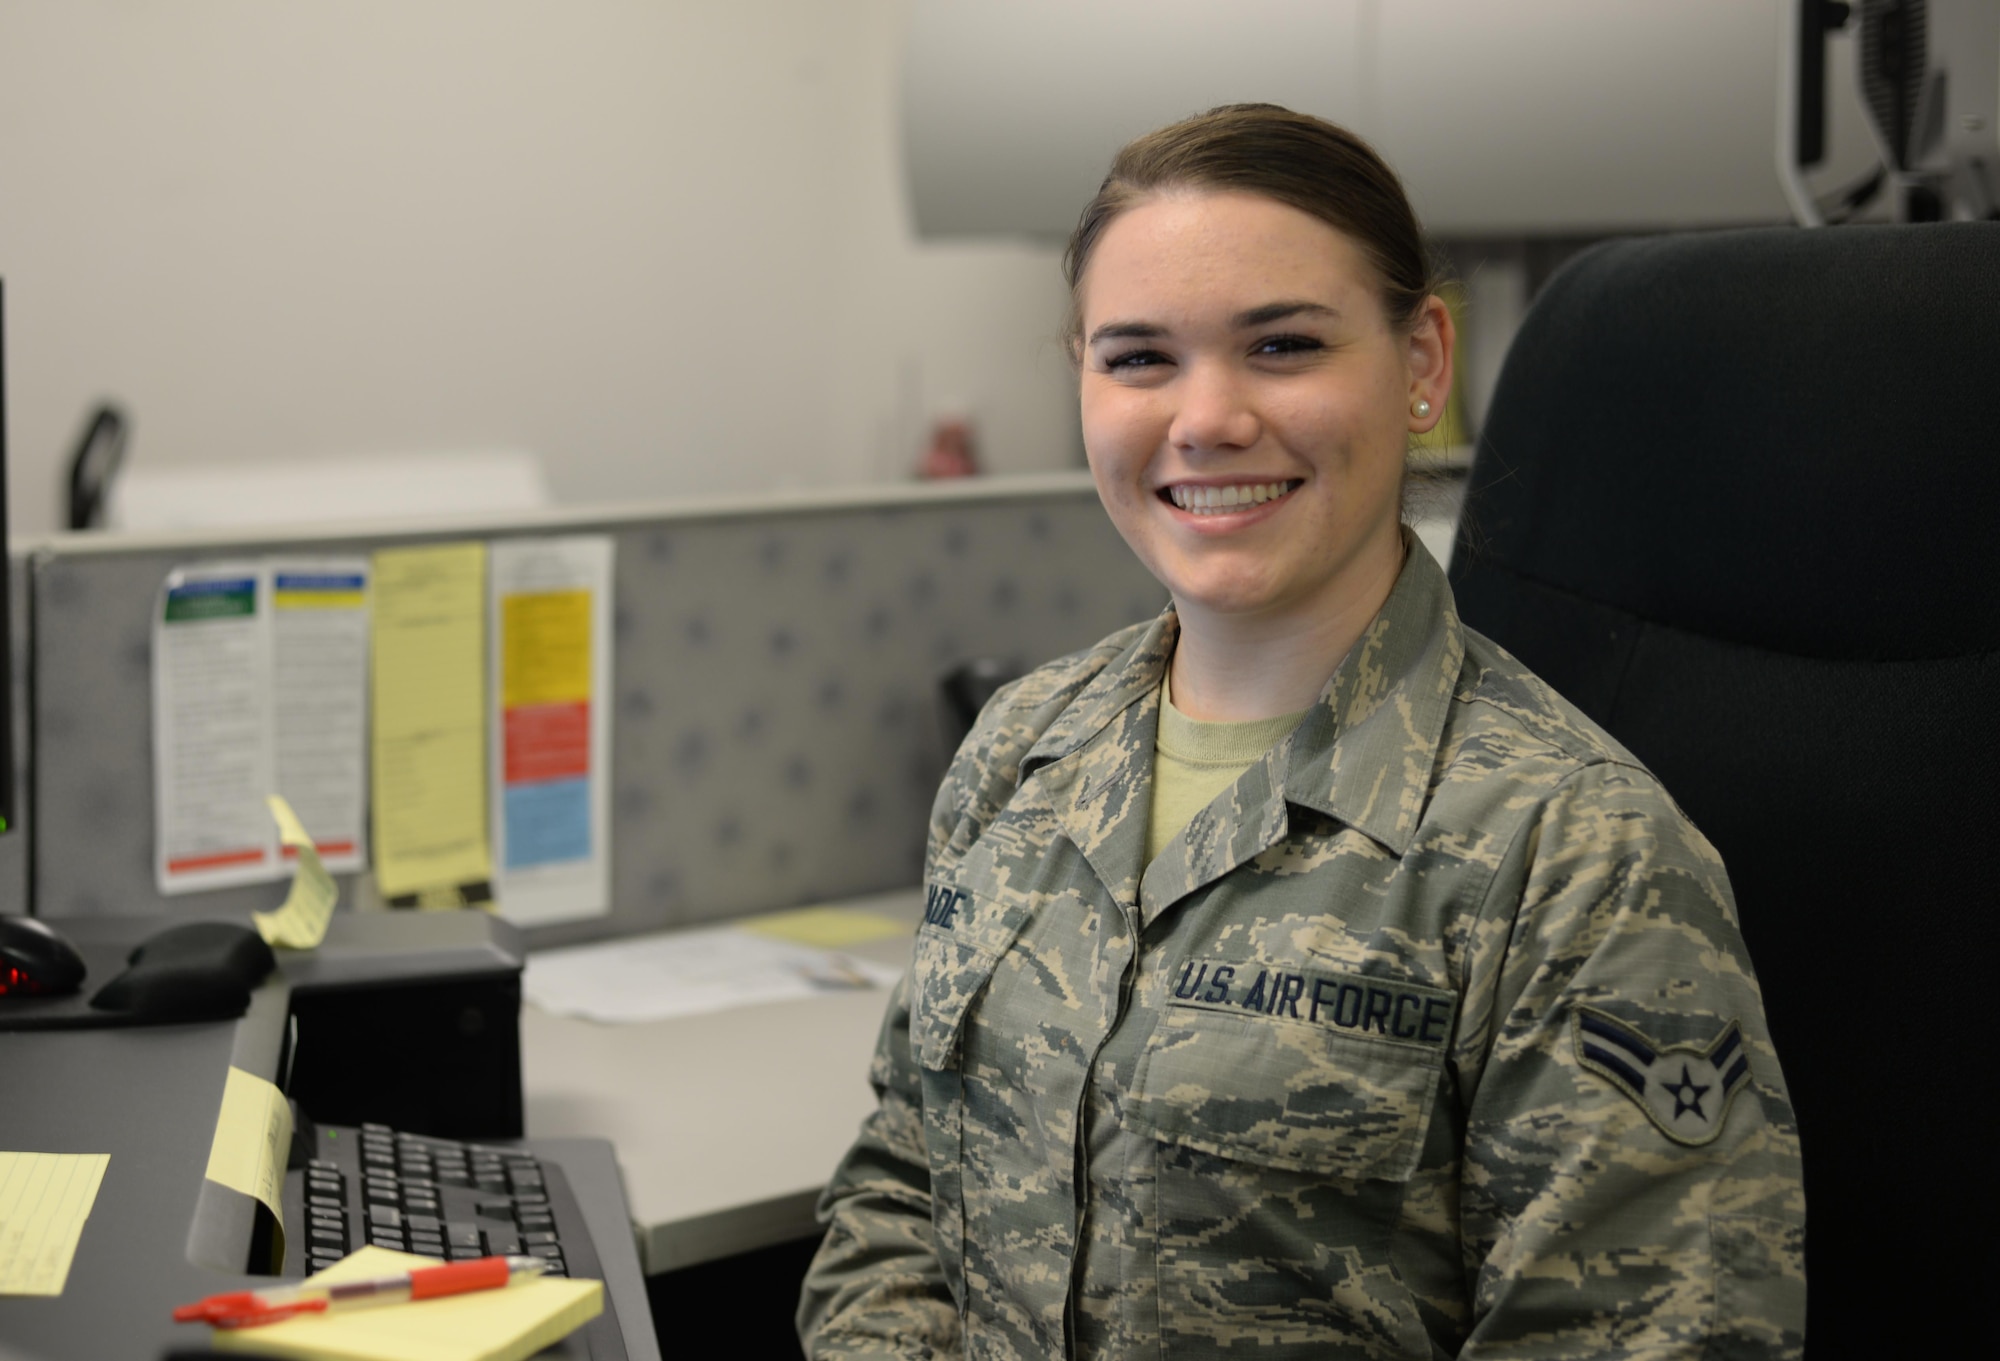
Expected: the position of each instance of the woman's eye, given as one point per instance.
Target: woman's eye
(1133, 359)
(1288, 345)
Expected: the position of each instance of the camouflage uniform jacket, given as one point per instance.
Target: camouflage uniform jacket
(1433, 1035)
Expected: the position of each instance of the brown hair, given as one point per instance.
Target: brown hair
(1301, 161)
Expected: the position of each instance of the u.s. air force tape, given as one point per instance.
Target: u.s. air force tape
(1685, 1089)
(1384, 1008)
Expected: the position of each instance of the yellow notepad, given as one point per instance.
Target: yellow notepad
(480, 1325)
(828, 928)
(44, 1200)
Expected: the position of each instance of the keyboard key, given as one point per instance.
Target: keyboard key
(538, 1239)
(531, 1198)
(386, 1216)
(331, 1238)
(503, 1242)
(494, 1209)
(429, 1247)
(383, 1238)
(529, 1221)
(455, 1253)
(490, 1185)
(320, 1200)
(461, 1235)
(368, 1128)
(548, 1250)
(429, 1224)
(322, 1165)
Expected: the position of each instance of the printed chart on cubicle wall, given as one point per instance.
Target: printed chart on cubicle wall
(549, 640)
(259, 686)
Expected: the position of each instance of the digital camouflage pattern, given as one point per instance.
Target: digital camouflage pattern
(1314, 1082)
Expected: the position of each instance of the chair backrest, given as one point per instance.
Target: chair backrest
(1737, 498)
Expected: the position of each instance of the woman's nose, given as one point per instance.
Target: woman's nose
(1215, 411)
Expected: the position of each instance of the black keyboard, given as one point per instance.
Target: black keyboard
(439, 1198)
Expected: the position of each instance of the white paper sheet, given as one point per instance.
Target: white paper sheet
(549, 635)
(319, 700)
(212, 762)
(260, 674)
(685, 973)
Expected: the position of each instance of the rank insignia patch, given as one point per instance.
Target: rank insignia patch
(1685, 1089)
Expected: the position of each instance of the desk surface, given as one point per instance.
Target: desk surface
(161, 1234)
(727, 1125)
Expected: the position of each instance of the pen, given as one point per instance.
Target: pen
(248, 1308)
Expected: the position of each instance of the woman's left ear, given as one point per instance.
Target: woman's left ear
(1432, 342)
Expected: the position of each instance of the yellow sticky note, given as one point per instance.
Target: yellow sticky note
(481, 1325)
(429, 710)
(827, 928)
(300, 921)
(545, 648)
(253, 1136)
(44, 1200)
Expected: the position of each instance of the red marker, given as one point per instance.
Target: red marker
(248, 1308)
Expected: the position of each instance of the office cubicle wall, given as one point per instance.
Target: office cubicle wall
(775, 737)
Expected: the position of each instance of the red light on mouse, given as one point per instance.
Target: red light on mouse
(13, 981)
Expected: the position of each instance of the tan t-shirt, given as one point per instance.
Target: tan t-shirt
(1194, 761)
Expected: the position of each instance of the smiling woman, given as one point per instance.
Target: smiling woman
(1318, 982)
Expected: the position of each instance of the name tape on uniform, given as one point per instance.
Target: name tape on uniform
(1360, 1005)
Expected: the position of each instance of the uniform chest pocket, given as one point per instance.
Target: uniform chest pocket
(960, 942)
(1331, 1076)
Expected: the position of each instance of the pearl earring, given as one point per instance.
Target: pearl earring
(1420, 408)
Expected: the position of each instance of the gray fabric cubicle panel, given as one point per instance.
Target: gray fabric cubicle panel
(775, 735)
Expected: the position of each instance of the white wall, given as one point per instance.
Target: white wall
(662, 242)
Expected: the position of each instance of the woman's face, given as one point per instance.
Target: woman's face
(1247, 403)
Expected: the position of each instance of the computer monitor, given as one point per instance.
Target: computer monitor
(6, 602)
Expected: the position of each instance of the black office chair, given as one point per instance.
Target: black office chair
(1737, 498)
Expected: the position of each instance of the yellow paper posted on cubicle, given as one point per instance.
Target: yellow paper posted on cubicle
(253, 1138)
(507, 1324)
(45, 1200)
(300, 922)
(429, 709)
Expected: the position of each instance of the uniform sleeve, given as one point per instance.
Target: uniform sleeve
(1631, 1181)
(875, 1289)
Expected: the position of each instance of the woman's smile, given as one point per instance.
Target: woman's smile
(1232, 501)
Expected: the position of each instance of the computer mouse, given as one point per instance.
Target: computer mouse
(35, 961)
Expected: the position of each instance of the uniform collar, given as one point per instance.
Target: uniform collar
(1362, 754)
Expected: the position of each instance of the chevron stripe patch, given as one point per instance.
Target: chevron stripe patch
(1685, 1089)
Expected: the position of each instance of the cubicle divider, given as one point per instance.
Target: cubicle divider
(775, 735)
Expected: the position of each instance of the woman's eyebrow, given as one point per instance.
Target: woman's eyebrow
(1127, 330)
(1278, 311)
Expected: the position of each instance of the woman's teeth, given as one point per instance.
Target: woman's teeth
(1217, 500)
